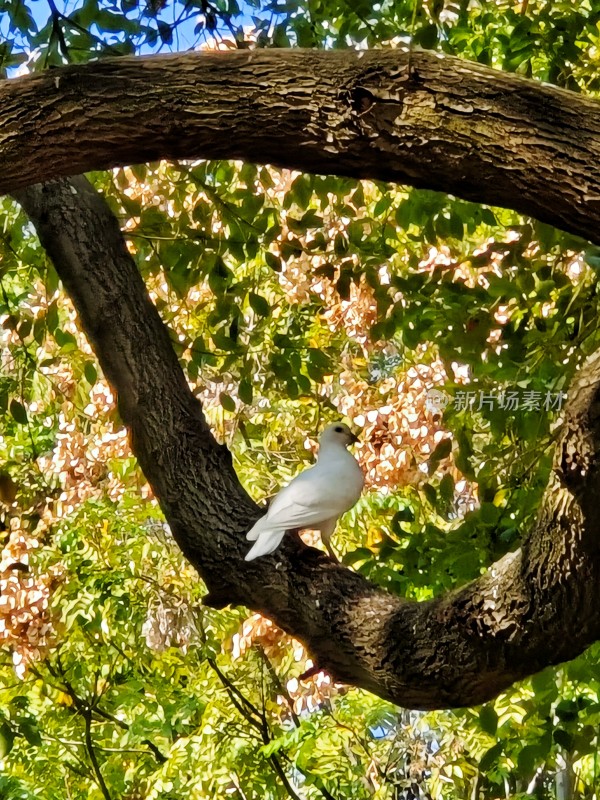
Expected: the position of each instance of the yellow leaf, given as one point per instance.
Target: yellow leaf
(500, 497)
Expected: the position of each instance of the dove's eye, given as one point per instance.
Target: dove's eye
(339, 429)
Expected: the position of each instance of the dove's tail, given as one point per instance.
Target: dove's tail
(266, 542)
(259, 527)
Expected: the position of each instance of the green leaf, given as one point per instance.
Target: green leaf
(488, 217)
(65, 340)
(301, 191)
(165, 32)
(273, 261)
(259, 305)
(490, 514)
(219, 277)
(340, 245)
(427, 36)
(527, 759)
(293, 389)
(490, 757)
(222, 341)
(90, 372)
(592, 257)
(18, 412)
(488, 719)
(563, 738)
(343, 284)
(456, 227)
(245, 391)
(29, 730)
(7, 738)
(567, 710)
(442, 450)
(227, 402)
(430, 493)
(405, 514)
(447, 488)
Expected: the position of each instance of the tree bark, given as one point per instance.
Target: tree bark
(535, 607)
(425, 120)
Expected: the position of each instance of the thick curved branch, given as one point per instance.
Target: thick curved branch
(533, 608)
(439, 123)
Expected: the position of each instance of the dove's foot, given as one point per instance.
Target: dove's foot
(331, 553)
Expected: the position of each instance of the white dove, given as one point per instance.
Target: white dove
(315, 498)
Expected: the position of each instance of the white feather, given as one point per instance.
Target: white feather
(314, 499)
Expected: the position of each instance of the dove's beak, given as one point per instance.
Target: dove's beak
(354, 438)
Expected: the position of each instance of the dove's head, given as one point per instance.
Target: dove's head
(338, 434)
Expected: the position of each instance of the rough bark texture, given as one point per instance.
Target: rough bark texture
(533, 608)
(435, 122)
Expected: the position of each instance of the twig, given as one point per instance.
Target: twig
(89, 744)
(57, 29)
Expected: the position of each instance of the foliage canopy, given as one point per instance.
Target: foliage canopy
(292, 299)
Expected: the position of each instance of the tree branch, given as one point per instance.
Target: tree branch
(533, 608)
(445, 124)
(257, 720)
(89, 746)
(84, 707)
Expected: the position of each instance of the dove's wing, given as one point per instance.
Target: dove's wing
(312, 497)
(269, 531)
(322, 493)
